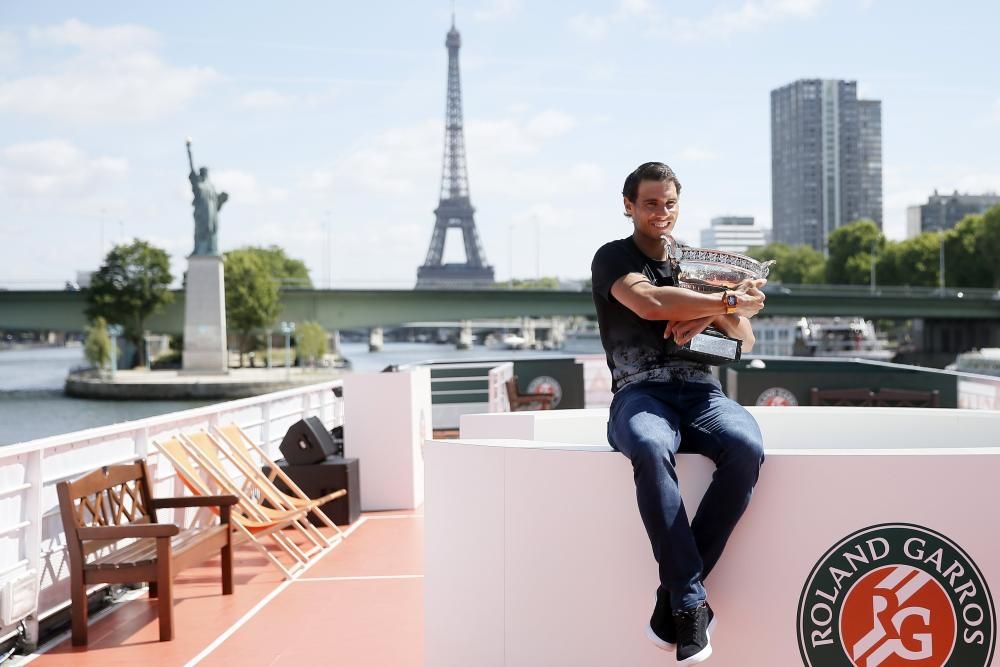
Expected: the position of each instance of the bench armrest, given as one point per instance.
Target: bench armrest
(194, 501)
(124, 532)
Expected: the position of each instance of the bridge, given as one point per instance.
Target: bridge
(356, 309)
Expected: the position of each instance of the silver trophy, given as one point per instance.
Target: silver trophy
(712, 271)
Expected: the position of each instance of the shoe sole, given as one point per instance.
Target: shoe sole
(701, 656)
(659, 643)
(667, 646)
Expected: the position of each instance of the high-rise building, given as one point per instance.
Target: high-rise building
(944, 211)
(733, 234)
(826, 160)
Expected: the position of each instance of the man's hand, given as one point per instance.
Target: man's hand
(749, 298)
(683, 332)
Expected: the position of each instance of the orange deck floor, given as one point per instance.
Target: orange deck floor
(360, 605)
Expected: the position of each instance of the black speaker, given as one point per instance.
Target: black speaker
(319, 479)
(307, 441)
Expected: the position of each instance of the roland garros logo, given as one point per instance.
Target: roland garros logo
(896, 595)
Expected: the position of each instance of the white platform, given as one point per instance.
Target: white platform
(205, 316)
(536, 555)
(387, 417)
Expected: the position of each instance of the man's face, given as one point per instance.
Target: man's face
(655, 210)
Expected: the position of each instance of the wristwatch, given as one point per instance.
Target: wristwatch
(729, 301)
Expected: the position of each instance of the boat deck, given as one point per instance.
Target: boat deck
(360, 604)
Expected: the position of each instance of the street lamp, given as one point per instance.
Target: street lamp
(874, 246)
(114, 331)
(288, 328)
(941, 265)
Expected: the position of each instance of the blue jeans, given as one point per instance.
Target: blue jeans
(650, 423)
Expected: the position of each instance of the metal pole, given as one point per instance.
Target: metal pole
(538, 249)
(941, 264)
(288, 355)
(510, 256)
(874, 242)
(268, 350)
(114, 356)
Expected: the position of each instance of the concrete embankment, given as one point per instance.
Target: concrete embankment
(144, 385)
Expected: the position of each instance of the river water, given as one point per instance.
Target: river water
(32, 404)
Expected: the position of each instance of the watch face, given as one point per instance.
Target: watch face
(731, 300)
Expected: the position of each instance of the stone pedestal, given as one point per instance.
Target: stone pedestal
(205, 316)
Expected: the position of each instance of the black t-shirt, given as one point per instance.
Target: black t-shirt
(635, 348)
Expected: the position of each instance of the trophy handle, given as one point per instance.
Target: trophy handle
(671, 245)
(765, 268)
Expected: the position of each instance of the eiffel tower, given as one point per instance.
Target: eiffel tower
(454, 208)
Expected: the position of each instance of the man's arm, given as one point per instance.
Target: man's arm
(635, 292)
(735, 326)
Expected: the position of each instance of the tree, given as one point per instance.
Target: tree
(547, 282)
(310, 341)
(97, 345)
(990, 243)
(252, 299)
(794, 265)
(911, 262)
(849, 256)
(287, 271)
(132, 284)
(966, 265)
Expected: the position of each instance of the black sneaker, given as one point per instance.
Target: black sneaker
(693, 625)
(661, 629)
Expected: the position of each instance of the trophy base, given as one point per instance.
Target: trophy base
(713, 348)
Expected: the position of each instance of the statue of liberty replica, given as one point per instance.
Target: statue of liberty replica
(207, 205)
(205, 350)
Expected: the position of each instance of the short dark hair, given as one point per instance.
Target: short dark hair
(648, 171)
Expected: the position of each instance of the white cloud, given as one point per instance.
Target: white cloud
(749, 16)
(265, 99)
(115, 75)
(9, 49)
(496, 10)
(590, 26)
(54, 169)
(244, 189)
(550, 123)
(697, 154)
(92, 38)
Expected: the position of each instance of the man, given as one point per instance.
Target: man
(664, 404)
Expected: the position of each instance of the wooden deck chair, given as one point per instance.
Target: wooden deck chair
(256, 486)
(248, 522)
(242, 445)
(253, 499)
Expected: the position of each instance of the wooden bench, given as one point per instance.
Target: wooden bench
(115, 503)
(884, 398)
(519, 401)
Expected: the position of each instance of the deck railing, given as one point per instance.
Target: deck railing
(31, 534)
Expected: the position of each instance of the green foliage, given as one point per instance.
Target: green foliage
(97, 344)
(546, 282)
(911, 262)
(310, 341)
(252, 299)
(794, 265)
(132, 284)
(287, 271)
(989, 244)
(849, 257)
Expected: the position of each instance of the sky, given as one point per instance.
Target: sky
(324, 121)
